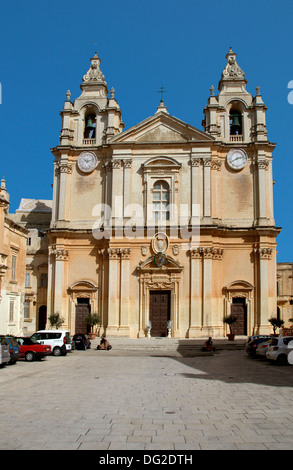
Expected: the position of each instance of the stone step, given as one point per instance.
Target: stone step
(169, 344)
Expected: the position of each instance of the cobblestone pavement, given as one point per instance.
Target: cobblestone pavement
(146, 400)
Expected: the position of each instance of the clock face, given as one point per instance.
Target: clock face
(237, 159)
(87, 162)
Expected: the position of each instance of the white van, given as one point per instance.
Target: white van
(59, 340)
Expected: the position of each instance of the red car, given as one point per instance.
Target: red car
(31, 350)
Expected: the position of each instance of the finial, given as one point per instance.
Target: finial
(257, 90)
(68, 95)
(112, 93)
(212, 90)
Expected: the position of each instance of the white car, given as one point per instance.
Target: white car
(281, 350)
(59, 340)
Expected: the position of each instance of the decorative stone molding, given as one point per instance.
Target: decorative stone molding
(259, 128)
(94, 73)
(160, 285)
(261, 164)
(207, 252)
(263, 253)
(60, 253)
(232, 69)
(175, 250)
(117, 253)
(116, 164)
(195, 161)
(64, 167)
(144, 250)
(125, 253)
(216, 165)
(113, 253)
(207, 162)
(106, 166)
(67, 133)
(127, 163)
(3, 264)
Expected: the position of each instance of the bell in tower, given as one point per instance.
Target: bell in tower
(235, 123)
(90, 127)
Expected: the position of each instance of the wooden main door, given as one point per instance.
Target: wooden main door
(159, 311)
(238, 308)
(81, 311)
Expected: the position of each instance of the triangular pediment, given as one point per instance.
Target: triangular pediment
(161, 128)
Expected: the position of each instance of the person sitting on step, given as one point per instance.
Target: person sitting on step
(104, 344)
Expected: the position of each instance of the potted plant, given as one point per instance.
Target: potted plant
(56, 320)
(92, 320)
(276, 323)
(230, 320)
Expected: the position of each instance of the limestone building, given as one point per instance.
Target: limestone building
(35, 216)
(13, 238)
(164, 222)
(285, 293)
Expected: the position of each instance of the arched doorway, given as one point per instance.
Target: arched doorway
(83, 301)
(239, 309)
(238, 300)
(159, 311)
(83, 309)
(42, 317)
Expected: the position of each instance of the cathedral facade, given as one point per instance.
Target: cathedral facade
(163, 227)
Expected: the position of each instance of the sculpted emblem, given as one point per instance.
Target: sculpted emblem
(160, 243)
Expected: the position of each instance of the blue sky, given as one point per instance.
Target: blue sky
(143, 45)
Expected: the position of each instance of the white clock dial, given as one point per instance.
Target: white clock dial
(237, 159)
(87, 162)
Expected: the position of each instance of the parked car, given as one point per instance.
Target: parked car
(279, 350)
(31, 349)
(59, 340)
(250, 347)
(4, 351)
(81, 341)
(262, 348)
(14, 349)
(250, 338)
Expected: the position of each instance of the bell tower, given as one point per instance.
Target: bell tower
(87, 123)
(92, 119)
(234, 115)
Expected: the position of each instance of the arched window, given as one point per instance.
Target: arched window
(161, 199)
(90, 126)
(235, 122)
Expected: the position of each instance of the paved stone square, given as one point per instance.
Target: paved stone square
(146, 399)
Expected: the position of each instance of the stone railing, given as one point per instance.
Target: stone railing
(89, 141)
(236, 138)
